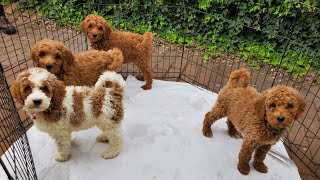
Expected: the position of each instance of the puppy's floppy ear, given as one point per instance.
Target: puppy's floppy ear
(301, 106)
(106, 27)
(58, 90)
(34, 55)
(260, 106)
(67, 58)
(15, 92)
(15, 87)
(83, 25)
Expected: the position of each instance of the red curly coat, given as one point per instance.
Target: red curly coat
(261, 118)
(82, 69)
(136, 48)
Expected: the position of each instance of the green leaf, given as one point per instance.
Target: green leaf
(206, 57)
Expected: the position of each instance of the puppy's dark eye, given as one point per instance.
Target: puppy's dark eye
(27, 89)
(41, 54)
(57, 56)
(90, 26)
(289, 106)
(273, 105)
(44, 89)
(100, 28)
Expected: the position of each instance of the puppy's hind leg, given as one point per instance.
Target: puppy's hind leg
(113, 135)
(233, 132)
(145, 68)
(147, 74)
(218, 111)
(140, 77)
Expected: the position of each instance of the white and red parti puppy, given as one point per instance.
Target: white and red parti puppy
(59, 110)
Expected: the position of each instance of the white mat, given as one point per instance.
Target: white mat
(163, 140)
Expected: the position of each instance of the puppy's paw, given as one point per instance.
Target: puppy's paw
(109, 154)
(207, 132)
(235, 135)
(102, 138)
(260, 166)
(244, 168)
(140, 77)
(146, 87)
(61, 158)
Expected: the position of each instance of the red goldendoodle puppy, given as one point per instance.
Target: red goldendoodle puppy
(136, 48)
(260, 118)
(81, 69)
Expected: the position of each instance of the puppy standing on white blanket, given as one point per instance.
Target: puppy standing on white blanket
(59, 110)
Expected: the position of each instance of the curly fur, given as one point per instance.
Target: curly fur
(59, 110)
(136, 48)
(81, 69)
(261, 118)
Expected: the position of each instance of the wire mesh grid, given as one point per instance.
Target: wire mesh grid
(175, 63)
(17, 158)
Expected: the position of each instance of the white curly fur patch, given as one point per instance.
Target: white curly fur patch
(38, 75)
(111, 76)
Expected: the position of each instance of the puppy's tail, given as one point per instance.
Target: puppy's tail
(239, 78)
(114, 59)
(146, 42)
(111, 79)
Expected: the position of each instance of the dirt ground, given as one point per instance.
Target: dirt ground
(173, 63)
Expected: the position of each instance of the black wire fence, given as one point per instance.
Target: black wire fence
(17, 161)
(172, 62)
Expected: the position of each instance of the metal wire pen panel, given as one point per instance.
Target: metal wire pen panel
(17, 161)
(182, 62)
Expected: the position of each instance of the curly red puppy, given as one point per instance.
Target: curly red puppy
(136, 48)
(261, 118)
(81, 69)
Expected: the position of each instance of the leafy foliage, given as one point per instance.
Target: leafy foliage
(5, 2)
(281, 33)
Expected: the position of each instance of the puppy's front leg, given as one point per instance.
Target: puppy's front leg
(259, 157)
(246, 151)
(63, 143)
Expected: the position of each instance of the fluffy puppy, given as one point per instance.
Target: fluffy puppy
(260, 118)
(80, 69)
(136, 48)
(60, 110)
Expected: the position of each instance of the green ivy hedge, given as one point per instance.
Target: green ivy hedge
(282, 33)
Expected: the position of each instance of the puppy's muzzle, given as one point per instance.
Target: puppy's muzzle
(37, 102)
(94, 35)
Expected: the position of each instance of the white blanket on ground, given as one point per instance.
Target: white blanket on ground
(163, 140)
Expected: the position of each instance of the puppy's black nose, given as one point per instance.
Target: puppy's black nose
(281, 118)
(94, 35)
(37, 102)
(48, 66)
